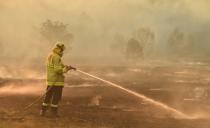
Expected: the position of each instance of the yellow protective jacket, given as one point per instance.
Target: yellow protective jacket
(55, 69)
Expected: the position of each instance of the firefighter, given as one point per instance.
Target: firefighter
(55, 80)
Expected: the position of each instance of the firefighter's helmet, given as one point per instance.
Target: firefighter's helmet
(60, 45)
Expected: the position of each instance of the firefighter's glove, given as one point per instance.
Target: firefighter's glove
(72, 68)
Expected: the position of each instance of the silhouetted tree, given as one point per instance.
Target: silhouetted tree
(134, 50)
(180, 43)
(145, 36)
(176, 39)
(54, 31)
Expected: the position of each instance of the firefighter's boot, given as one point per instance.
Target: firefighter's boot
(54, 111)
(43, 111)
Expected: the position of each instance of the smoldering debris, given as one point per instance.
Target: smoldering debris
(95, 101)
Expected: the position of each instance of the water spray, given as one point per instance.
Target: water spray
(157, 103)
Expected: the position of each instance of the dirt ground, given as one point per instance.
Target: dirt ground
(89, 103)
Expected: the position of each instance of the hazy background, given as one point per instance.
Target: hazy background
(95, 23)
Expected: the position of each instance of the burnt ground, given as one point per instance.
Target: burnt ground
(184, 87)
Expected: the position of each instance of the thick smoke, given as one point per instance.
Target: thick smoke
(95, 23)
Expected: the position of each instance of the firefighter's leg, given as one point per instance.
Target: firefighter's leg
(47, 99)
(55, 101)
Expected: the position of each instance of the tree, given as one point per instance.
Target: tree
(134, 50)
(54, 31)
(146, 38)
(180, 43)
(176, 39)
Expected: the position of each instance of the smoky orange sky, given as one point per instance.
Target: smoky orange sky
(94, 23)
